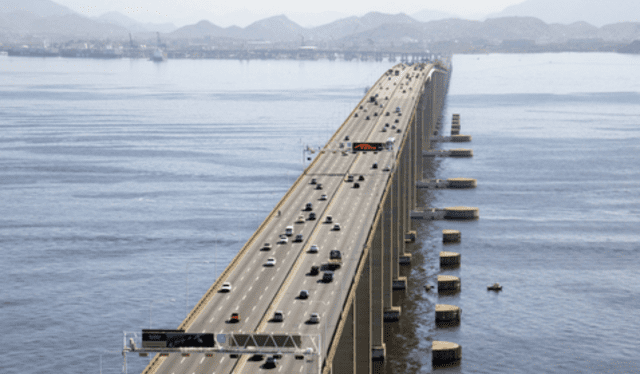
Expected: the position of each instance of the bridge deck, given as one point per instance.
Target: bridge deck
(257, 290)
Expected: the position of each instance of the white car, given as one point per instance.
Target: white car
(336, 227)
(323, 197)
(300, 219)
(314, 249)
(315, 318)
(283, 239)
(226, 287)
(270, 262)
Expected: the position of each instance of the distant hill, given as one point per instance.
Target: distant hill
(427, 15)
(132, 25)
(353, 25)
(38, 8)
(595, 12)
(275, 28)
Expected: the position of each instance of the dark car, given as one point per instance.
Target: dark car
(314, 270)
(312, 216)
(235, 317)
(327, 276)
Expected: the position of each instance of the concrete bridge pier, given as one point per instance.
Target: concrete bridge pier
(362, 331)
(380, 297)
(389, 234)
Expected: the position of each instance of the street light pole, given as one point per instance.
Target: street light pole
(186, 304)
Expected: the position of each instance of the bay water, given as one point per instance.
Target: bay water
(126, 184)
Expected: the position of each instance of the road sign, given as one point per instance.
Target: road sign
(368, 146)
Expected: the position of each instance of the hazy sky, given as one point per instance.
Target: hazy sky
(243, 12)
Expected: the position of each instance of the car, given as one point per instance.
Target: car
(361, 178)
(386, 168)
(300, 219)
(314, 181)
(350, 178)
(266, 247)
(271, 362)
(387, 114)
(393, 127)
(329, 219)
(384, 129)
(367, 118)
(336, 227)
(323, 197)
(319, 186)
(308, 207)
(235, 318)
(312, 216)
(375, 165)
(226, 287)
(327, 276)
(278, 316)
(355, 114)
(397, 109)
(398, 131)
(283, 239)
(304, 294)
(314, 270)
(346, 138)
(288, 231)
(386, 125)
(270, 262)
(314, 249)
(315, 318)
(356, 185)
(397, 120)
(298, 238)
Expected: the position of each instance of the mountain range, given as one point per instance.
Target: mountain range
(48, 19)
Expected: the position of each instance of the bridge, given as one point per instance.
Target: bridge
(356, 197)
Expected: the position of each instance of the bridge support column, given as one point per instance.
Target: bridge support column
(377, 292)
(362, 329)
(388, 234)
(343, 362)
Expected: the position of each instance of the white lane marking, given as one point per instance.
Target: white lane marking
(280, 368)
(245, 296)
(203, 331)
(222, 359)
(250, 288)
(273, 277)
(219, 308)
(301, 367)
(260, 298)
(184, 358)
(211, 320)
(289, 313)
(257, 277)
(202, 360)
(266, 288)
(254, 308)
(241, 279)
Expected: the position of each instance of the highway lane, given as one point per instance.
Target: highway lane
(359, 219)
(212, 318)
(359, 215)
(253, 303)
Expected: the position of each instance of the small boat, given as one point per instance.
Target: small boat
(428, 287)
(494, 287)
